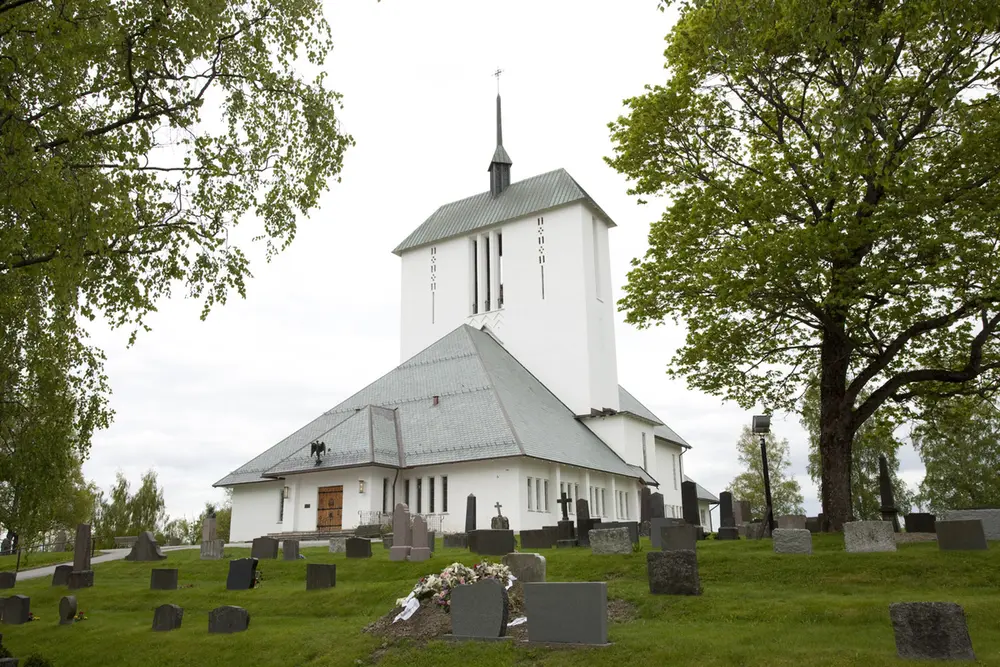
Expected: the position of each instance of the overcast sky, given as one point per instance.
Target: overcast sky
(196, 399)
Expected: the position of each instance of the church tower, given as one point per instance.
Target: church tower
(528, 261)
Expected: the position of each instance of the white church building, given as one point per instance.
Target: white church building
(508, 387)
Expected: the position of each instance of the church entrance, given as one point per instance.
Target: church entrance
(330, 509)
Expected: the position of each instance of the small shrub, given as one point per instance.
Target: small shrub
(36, 660)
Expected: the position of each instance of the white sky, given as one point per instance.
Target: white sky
(196, 399)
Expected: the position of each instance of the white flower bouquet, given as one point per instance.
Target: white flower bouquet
(438, 587)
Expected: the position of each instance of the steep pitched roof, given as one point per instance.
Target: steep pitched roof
(489, 406)
(630, 404)
(521, 199)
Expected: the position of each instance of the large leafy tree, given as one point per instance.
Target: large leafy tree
(786, 494)
(959, 443)
(832, 176)
(125, 514)
(134, 138)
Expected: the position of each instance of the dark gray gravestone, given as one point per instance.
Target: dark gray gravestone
(919, 522)
(456, 540)
(228, 619)
(420, 550)
(242, 574)
(80, 579)
(565, 544)
(742, 510)
(689, 500)
(656, 506)
(552, 532)
(8, 579)
(67, 610)
(264, 548)
(567, 612)
(583, 522)
(145, 549)
(81, 548)
(61, 576)
(673, 573)
(167, 617)
(537, 539)
(470, 513)
(359, 547)
(813, 524)
(320, 575)
(633, 528)
(967, 535)
(678, 537)
(16, 609)
(402, 535)
(290, 549)
(163, 580)
(566, 530)
(431, 539)
(889, 511)
(479, 610)
(492, 542)
(727, 518)
(930, 631)
(656, 525)
(526, 567)
(645, 505)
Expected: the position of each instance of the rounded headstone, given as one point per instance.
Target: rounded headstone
(67, 610)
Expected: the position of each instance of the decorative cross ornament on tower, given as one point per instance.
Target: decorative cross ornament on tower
(564, 501)
(497, 75)
(498, 506)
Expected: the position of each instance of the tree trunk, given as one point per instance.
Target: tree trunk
(836, 434)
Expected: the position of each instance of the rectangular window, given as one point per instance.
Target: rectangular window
(545, 495)
(673, 458)
(576, 493)
(385, 494)
(474, 274)
(444, 493)
(420, 495)
(406, 492)
(597, 257)
(500, 268)
(538, 494)
(430, 494)
(531, 496)
(571, 498)
(487, 274)
(604, 508)
(704, 519)
(645, 462)
(281, 505)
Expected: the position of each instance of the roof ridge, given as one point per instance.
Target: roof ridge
(493, 387)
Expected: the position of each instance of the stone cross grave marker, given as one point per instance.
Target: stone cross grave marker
(402, 537)
(420, 551)
(228, 619)
(479, 610)
(67, 610)
(931, 631)
(167, 617)
(564, 502)
(499, 522)
(567, 612)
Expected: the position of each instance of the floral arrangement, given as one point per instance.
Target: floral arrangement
(80, 617)
(438, 587)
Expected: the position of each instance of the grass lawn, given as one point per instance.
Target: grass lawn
(37, 559)
(758, 608)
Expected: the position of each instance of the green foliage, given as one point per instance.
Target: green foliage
(833, 196)
(35, 660)
(124, 514)
(959, 443)
(786, 495)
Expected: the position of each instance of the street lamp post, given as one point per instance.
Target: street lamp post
(762, 426)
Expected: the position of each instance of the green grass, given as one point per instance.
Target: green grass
(37, 559)
(758, 608)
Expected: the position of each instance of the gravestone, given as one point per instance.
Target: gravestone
(920, 522)
(320, 575)
(386, 542)
(338, 545)
(610, 541)
(145, 549)
(242, 574)
(16, 609)
(930, 631)
(167, 617)
(632, 526)
(479, 610)
(792, 541)
(8, 579)
(868, 536)
(813, 524)
(61, 575)
(290, 549)
(499, 522)
(738, 514)
(536, 539)
(689, 500)
(80, 579)
(431, 539)
(989, 517)
(567, 612)
(552, 532)
(678, 537)
(456, 540)
(889, 511)
(656, 526)
(67, 610)
(492, 542)
(565, 544)
(420, 551)
(727, 518)
(791, 521)
(59, 544)
(756, 530)
(961, 535)
(359, 547)
(163, 579)
(526, 567)
(566, 529)
(656, 506)
(645, 504)
(673, 573)
(582, 522)
(369, 530)
(81, 576)
(211, 545)
(228, 619)
(402, 537)
(209, 528)
(264, 548)
(470, 513)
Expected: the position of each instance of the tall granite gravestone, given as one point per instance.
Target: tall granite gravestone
(868, 536)
(567, 612)
(421, 550)
(16, 609)
(727, 518)
(930, 631)
(889, 510)
(964, 535)
(610, 541)
(145, 549)
(645, 505)
(656, 506)
(228, 619)
(919, 522)
(402, 535)
(479, 610)
(359, 547)
(673, 573)
(526, 567)
(163, 579)
(582, 522)
(742, 511)
(211, 545)
(67, 610)
(689, 500)
(470, 513)
(167, 617)
(242, 574)
(81, 576)
(565, 527)
(320, 575)
(290, 549)
(264, 548)
(61, 575)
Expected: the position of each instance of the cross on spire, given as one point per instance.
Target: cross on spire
(497, 75)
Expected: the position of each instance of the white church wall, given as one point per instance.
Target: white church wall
(256, 508)
(611, 430)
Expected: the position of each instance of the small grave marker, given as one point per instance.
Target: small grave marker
(610, 541)
(359, 547)
(869, 536)
(792, 541)
(527, 567)
(961, 535)
(163, 579)
(16, 609)
(242, 574)
(678, 537)
(338, 545)
(8, 579)
(167, 617)
(420, 549)
(61, 575)
(67, 610)
(673, 573)
(264, 548)
(920, 522)
(320, 575)
(228, 619)
(290, 549)
(479, 610)
(492, 542)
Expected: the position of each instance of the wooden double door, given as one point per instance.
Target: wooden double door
(330, 509)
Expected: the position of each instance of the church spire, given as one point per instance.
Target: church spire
(500, 165)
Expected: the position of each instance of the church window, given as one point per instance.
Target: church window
(531, 496)
(420, 495)
(281, 505)
(433, 280)
(430, 494)
(576, 493)
(444, 493)
(673, 458)
(474, 274)
(645, 462)
(488, 302)
(597, 256)
(406, 492)
(541, 252)
(604, 508)
(538, 494)
(385, 494)
(500, 269)
(704, 518)
(545, 495)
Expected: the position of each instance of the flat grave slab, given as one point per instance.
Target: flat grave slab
(961, 535)
(930, 631)
(792, 541)
(869, 536)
